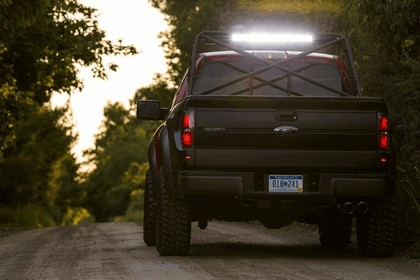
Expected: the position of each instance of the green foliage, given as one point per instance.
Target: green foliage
(39, 182)
(65, 194)
(119, 153)
(134, 211)
(40, 142)
(41, 44)
(44, 40)
(26, 216)
(136, 175)
(120, 158)
(386, 39)
(12, 105)
(77, 215)
(395, 24)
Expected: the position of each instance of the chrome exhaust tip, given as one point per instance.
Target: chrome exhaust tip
(362, 207)
(348, 208)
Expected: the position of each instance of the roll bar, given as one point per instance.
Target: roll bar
(222, 40)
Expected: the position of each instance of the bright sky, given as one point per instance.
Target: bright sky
(136, 22)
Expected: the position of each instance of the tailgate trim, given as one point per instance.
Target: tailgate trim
(237, 158)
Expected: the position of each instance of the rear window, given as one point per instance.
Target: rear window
(227, 78)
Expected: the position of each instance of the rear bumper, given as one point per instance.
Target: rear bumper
(254, 185)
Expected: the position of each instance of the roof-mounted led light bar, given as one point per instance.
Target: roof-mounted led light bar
(272, 38)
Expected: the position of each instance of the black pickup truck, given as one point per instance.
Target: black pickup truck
(272, 128)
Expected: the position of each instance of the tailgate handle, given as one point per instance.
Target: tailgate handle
(286, 115)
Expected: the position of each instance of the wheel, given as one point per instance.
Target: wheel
(149, 215)
(173, 222)
(335, 230)
(376, 229)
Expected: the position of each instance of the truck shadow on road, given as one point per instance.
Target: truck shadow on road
(308, 251)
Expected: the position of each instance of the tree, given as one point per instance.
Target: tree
(41, 45)
(120, 148)
(120, 155)
(386, 39)
(65, 191)
(38, 169)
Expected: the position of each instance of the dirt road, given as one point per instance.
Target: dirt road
(222, 251)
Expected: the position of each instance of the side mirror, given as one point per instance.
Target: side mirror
(150, 110)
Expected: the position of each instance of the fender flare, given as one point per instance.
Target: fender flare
(151, 154)
(159, 156)
(166, 158)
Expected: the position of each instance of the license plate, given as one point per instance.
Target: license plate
(285, 183)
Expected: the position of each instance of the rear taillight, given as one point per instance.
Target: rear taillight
(188, 129)
(383, 141)
(186, 120)
(383, 123)
(383, 138)
(187, 138)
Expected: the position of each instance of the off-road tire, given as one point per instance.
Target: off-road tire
(376, 229)
(335, 230)
(149, 212)
(173, 222)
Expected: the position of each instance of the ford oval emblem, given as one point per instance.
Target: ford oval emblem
(286, 129)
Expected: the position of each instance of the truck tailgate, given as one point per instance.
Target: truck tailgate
(286, 132)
